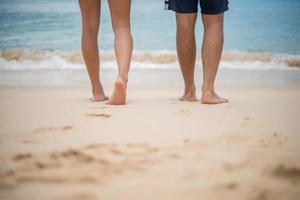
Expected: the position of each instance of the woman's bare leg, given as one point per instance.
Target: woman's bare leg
(120, 15)
(90, 11)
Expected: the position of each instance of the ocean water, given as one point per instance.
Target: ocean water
(40, 34)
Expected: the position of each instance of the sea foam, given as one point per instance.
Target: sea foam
(18, 59)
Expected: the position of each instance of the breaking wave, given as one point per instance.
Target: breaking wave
(18, 59)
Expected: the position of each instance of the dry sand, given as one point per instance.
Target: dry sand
(55, 144)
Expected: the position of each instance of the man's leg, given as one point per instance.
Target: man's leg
(211, 54)
(186, 50)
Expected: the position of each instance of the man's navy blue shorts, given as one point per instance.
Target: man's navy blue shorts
(209, 7)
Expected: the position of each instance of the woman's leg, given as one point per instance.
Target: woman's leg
(120, 15)
(90, 11)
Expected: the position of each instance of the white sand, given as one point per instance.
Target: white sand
(55, 144)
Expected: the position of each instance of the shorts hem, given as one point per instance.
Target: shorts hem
(214, 12)
(180, 11)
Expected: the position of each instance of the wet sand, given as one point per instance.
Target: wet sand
(55, 144)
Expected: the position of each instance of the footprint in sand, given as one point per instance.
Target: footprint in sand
(98, 115)
(231, 186)
(228, 186)
(276, 139)
(63, 166)
(291, 174)
(279, 138)
(22, 156)
(52, 129)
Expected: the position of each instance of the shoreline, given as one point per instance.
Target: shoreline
(147, 77)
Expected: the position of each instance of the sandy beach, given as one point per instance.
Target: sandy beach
(56, 144)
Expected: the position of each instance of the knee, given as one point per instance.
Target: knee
(213, 22)
(187, 25)
(121, 28)
(90, 29)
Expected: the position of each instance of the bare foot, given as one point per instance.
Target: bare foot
(189, 95)
(98, 95)
(99, 98)
(119, 94)
(212, 98)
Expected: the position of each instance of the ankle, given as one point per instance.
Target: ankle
(207, 89)
(207, 93)
(190, 89)
(97, 88)
(123, 79)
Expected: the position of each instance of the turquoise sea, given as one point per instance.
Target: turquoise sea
(255, 31)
